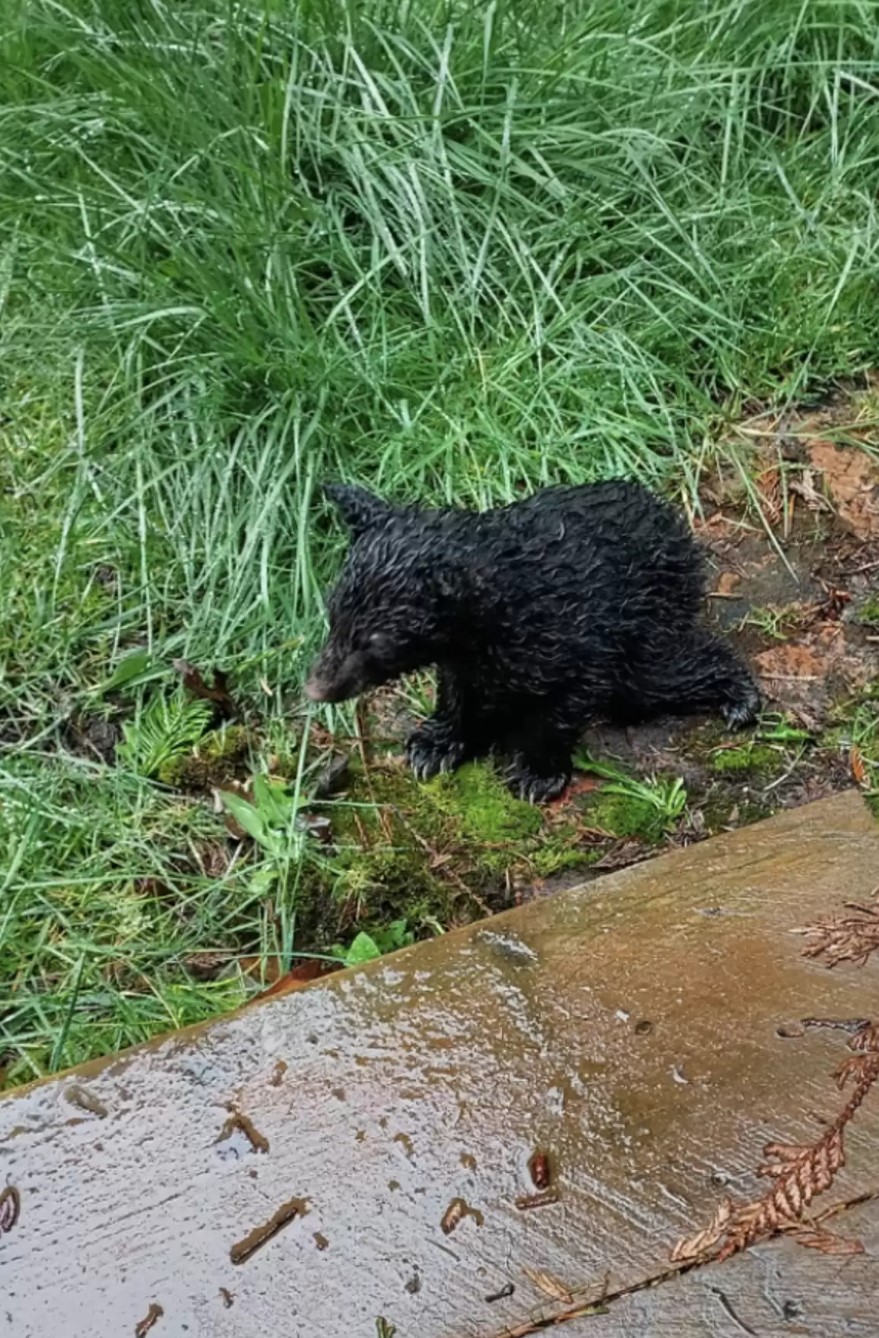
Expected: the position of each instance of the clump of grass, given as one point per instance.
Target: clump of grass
(453, 253)
(628, 806)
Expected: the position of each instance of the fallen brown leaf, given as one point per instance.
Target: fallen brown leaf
(152, 1316)
(805, 486)
(214, 859)
(278, 982)
(858, 766)
(834, 603)
(789, 661)
(540, 1169)
(579, 785)
(219, 694)
(769, 490)
(622, 855)
(727, 584)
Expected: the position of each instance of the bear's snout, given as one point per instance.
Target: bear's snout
(330, 681)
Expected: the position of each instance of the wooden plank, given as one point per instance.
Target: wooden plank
(629, 1029)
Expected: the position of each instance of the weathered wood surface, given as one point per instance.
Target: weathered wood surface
(630, 1029)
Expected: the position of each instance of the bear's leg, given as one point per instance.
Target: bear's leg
(449, 738)
(701, 673)
(540, 765)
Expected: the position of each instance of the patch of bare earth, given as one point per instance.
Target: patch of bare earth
(797, 577)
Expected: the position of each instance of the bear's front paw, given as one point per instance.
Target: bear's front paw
(533, 787)
(744, 710)
(434, 748)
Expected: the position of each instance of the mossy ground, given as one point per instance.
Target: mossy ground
(752, 759)
(219, 758)
(433, 854)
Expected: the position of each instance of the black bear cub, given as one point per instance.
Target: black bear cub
(577, 603)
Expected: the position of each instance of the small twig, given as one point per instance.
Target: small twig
(726, 1306)
(365, 842)
(786, 775)
(362, 741)
(255, 1239)
(362, 733)
(845, 938)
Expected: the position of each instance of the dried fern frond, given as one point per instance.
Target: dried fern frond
(845, 938)
(866, 1038)
(699, 1246)
(799, 1172)
(549, 1284)
(819, 1238)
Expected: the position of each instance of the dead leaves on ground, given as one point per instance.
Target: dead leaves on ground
(149, 1321)
(803, 673)
(309, 969)
(790, 662)
(820, 457)
(850, 476)
(858, 767)
(799, 1173)
(211, 963)
(805, 485)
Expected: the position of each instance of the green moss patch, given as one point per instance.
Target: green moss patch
(477, 800)
(752, 759)
(624, 815)
(219, 757)
(431, 854)
(868, 614)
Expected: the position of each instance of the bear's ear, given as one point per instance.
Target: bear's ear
(358, 508)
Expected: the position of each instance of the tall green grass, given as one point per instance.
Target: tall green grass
(450, 249)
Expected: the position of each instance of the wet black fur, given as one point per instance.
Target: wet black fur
(577, 603)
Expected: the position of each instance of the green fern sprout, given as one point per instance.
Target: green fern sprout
(163, 730)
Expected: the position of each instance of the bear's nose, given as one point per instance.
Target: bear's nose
(316, 689)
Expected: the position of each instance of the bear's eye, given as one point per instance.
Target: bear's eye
(380, 643)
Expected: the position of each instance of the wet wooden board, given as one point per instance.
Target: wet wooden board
(346, 1161)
